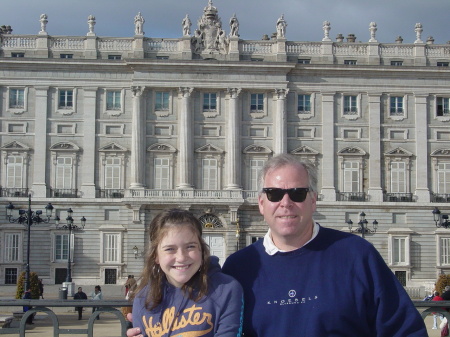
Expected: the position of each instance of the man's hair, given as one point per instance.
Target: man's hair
(289, 160)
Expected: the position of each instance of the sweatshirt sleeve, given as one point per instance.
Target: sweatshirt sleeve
(232, 310)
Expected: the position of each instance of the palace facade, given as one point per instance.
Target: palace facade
(120, 128)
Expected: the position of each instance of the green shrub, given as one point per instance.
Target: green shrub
(442, 282)
(34, 284)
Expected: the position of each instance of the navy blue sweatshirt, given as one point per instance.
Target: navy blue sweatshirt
(336, 285)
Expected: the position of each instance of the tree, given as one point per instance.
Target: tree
(442, 282)
(34, 284)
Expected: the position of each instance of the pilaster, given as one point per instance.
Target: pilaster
(422, 191)
(186, 50)
(40, 143)
(233, 140)
(90, 47)
(281, 50)
(185, 139)
(375, 190)
(234, 48)
(328, 148)
(280, 122)
(137, 139)
(138, 46)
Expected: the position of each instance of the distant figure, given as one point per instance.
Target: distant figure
(281, 27)
(41, 288)
(139, 24)
(186, 23)
(234, 26)
(80, 295)
(27, 296)
(96, 295)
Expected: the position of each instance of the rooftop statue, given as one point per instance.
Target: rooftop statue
(44, 20)
(186, 23)
(234, 26)
(139, 24)
(281, 27)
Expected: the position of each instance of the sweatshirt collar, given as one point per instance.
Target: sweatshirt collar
(270, 247)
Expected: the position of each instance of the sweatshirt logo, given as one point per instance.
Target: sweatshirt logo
(188, 319)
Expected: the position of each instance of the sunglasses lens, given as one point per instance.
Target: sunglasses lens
(275, 194)
(297, 194)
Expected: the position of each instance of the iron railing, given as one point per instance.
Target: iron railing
(44, 306)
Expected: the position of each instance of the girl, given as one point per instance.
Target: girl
(182, 290)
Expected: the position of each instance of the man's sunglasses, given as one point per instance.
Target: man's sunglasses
(297, 194)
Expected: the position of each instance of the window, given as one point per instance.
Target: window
(65, 99)
(114, 57)
(255, 167)
(209, 102)
(162, 170)
(442, 106)
(17, 54)
(350, 62)
(350, 105)
(442, 64)
(351, 176)
(304, 61)
(445, 251)
(443, 176)
(65, 56)
(64, 171)
(16, 98)
(10, 275)
(209, 174)
(113, 100)
(113, 167)
(161, 101)
(304, 104)
(162, 57)
(61, 247)
(11, 247)
(398, 250)
(396, 106)
(396, 63)
(257, 102)
(14, 172)
(398, 177)
(111, 248)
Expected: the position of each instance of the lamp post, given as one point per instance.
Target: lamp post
(363, 229)
(238, 234)
(71, 227)
(29, 218)
(441, 220)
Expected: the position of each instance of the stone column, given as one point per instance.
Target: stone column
(233, 159)
(422, 191)
(89, 165)
(185, 139)
(280, 122)
(329, 154)
(40, 143)
(137, 139)
(375, 190)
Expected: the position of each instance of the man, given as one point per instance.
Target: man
(80, 295)
(306, 280)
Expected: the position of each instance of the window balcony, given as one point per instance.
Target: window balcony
(398, 197)
(14, 192)
(352, 196)
(63, 193)
(111, 193)
(440, 197)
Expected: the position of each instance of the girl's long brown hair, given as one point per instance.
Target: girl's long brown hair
(153, 276)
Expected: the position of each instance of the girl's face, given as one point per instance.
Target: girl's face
(179, 255)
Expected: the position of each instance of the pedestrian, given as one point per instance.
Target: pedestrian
(80, 295)
(305, 280)
(182, 291)
(96, 295)
(27, 296)
(41, 288)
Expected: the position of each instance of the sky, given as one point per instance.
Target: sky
(115, 18)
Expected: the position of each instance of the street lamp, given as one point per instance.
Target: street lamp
(29, 218)
(441, 220)
(363, 229)
(71, 227)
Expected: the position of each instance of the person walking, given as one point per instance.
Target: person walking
(80, 295)
(96, 295)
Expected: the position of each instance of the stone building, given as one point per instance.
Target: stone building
(120, 128)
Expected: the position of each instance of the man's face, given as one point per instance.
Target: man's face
(290, 222)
